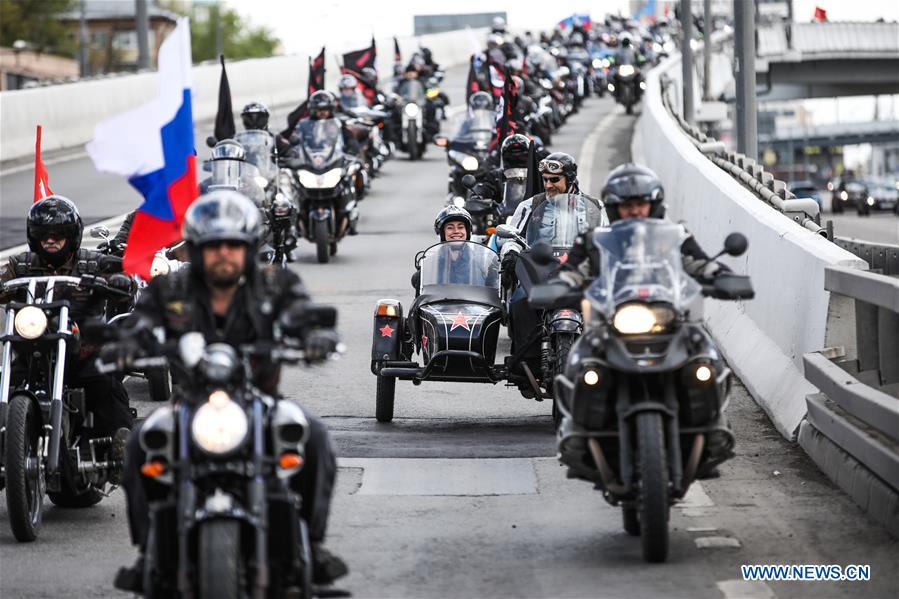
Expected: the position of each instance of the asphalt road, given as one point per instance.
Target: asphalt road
(461, 496)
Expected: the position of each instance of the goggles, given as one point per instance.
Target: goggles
(551, 166)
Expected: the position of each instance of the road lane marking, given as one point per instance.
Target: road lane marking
(588, 152)
(696, 497)
(701, 529)
(444, 477)
(716, 542)
(743, 589)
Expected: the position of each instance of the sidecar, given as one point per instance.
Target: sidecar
(453, 324)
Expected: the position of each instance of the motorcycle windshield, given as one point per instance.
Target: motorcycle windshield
(559, 220)
(640, 259)
(460, 263)
(238, 175)
(352, 101)
(321, 140)
(259, 145)
(476, 127)
(513, 194)
(411, 90)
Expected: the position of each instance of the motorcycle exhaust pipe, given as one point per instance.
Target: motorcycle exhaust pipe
(605, 471)
(693, 461)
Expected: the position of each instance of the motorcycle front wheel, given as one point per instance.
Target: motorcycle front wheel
(654, 506)
(220, 568)
(412, 137)
(322, 245)
(159, 381)
(24, 469)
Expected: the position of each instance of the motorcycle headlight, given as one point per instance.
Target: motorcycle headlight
(261, 181)
(458, 201)
(870, 201)
(159, 266)
(626, 70)
(597, 63)
(30, 322)
(635, 319)
(308, 179)
(470, 163)
(219, 425)
(411, 110)
(331, 178)
(605, 63)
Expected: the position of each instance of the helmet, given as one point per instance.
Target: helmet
(346, 81)
(369, 75)
(321, 100)
(449, 214)
(427, 55)
(625, 41)
(499, 23)
(58, 215)
(633, 181)
(560, 163)
(514, 151)
(228, 149)
(255, 116)
(222, 215)
(480, 101)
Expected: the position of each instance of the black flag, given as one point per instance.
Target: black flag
(316, 82)
(535, 181)
(224, 118)
(355, 61)
(397, 57)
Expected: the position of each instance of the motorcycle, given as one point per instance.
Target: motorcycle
(228, 524)
(485, 213)
(454, 324)
(553, 227)
(410, 106)
(644, 390)
(326, 177)
(159, 380)
(466, 151)
(44, 426)
(627, 86)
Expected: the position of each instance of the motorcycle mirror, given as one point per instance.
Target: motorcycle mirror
(735, 244)
(506, 231)
(542, 253)
(468, 181)
(303, 315)
(99, 232)
(210, 141)
(191, 347)
(730, 286)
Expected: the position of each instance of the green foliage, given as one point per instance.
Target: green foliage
(37, 23)
(239, 39)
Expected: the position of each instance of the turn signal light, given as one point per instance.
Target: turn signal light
(491, 230)
(290, 460)
(386, 310)
(153, 469)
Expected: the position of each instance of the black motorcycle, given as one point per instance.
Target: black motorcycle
(485, 213)
(454, 323)
(552, 229)
(326, 177)
(466, 151)
(644, 390)
(627, 86)
(228, 524)
(45, 426)
(409, 113)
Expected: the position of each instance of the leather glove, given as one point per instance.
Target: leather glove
(318, 344)
(120, 282)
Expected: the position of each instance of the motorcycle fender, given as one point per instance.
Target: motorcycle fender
(387, 332)
(320, 214)
(221, 505)
(566, 321)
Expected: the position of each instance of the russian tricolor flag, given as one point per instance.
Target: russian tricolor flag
(153, 145)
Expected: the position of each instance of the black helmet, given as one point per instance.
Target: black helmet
(58, 215)
(222, 215)
(625, 42)
(633, 182)
(480, 101)
(321, 100)
(255, 116)
(449, 214)
(514, 151)
(346, 81)
(560, 163)
(370, 76)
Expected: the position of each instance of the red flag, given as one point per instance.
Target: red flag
(820, 14)
(41, 178)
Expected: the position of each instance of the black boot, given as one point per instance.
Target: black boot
(131, 579)
(326, 567)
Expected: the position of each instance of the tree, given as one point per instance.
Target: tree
(239, 40)
(37, 23)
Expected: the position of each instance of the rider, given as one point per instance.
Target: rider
(349, 96)
(322, 105)
(633, 191)
(452, 224)
(54, 228)
(559, 174)
(514, 153)
(229, 299)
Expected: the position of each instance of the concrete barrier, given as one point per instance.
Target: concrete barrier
(763, 339)
(69, 112)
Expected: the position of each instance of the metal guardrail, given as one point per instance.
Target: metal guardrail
(857, 409)
(750, 173)
(882, 257)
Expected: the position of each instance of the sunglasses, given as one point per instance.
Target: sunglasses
(552, 179)
(231, 244)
